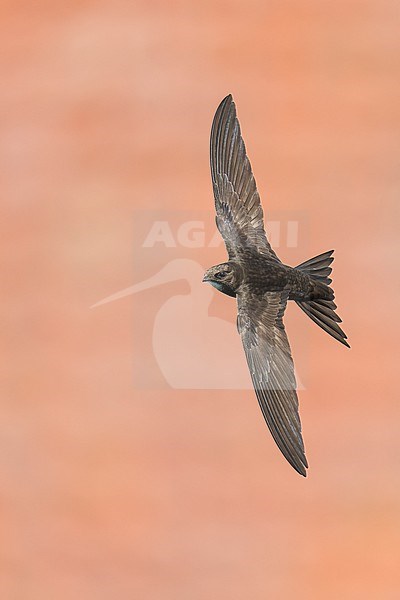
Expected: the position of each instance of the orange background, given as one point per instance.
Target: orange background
(108, 491)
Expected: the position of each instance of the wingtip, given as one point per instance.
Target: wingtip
(302, 466)
(227, 99)
(299, 464)
(301, 470)
(224, 106)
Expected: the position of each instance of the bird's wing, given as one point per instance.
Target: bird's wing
(271, 367)
(234, 185)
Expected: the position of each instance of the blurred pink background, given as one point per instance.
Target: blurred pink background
(111, 491)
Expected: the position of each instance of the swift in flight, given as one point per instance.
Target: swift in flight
(262, 285)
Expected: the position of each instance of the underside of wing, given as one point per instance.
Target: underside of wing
(230, 164)
(232, 219)
(271, 368)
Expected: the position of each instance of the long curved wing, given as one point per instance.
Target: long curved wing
(234, 186)
(271, 367)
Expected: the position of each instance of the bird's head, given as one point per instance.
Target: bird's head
(224, 277)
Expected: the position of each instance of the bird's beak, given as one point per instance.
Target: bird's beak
(206, 278)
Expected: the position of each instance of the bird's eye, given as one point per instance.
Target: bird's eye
(219, 275)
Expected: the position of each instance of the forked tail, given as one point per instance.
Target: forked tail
(321, 307)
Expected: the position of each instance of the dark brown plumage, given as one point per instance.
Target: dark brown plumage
(263, 285)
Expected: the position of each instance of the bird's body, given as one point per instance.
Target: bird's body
(262, 285)
(261, 275)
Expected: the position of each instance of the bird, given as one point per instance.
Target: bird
(262, 285)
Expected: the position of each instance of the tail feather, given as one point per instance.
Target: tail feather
(328, 303)
(328, 312)
(318, 263)
(321, 307)
(326, 326)
(322, 273)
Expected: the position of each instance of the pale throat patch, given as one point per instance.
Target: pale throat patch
(219, 286)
